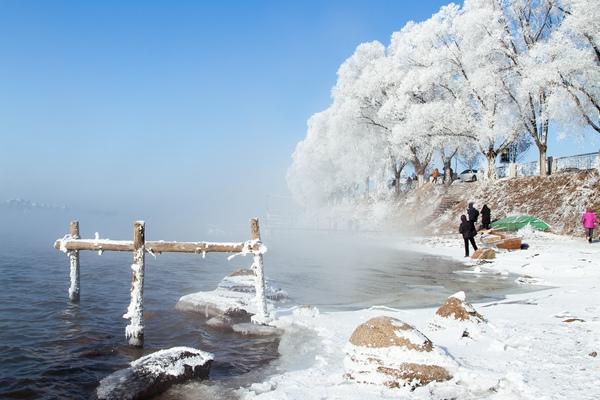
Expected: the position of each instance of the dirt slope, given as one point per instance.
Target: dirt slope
(557, 199)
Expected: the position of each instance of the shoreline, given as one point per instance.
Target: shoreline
(527, 350)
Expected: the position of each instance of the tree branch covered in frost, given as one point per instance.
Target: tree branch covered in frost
(471, 79)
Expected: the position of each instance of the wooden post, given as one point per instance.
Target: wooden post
(74, 264)
(257, 267)
(135, 312)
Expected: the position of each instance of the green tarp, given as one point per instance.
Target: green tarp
(517, 222)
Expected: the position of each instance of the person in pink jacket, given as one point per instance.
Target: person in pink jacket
(590, 221)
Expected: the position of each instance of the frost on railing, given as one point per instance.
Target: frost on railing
(580, 162)
(71, 244)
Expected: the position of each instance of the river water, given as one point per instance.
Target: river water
(50, 348)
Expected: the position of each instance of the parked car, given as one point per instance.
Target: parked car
(469, 175)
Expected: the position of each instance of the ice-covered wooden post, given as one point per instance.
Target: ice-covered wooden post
(74, 263)
(135, 312)
(257, 267)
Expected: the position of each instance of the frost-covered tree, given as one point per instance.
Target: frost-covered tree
(528, 25)
(340, 150)
(470, 79)
(368, 77)
(422, 105)
(570, 62)
(476, 58)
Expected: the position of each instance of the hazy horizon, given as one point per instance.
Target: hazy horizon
(185, 115)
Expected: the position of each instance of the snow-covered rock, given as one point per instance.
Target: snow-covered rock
(233, 300)
(484, 254)
(155, 373)
(457, 307)
(387, 351)
(456, 313)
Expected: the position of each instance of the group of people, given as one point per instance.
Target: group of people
(435, 177)
(467, 228)
(467, 224)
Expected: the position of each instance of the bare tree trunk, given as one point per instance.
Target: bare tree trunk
(543, 161)
(490, 155)
(420, 171)
(447, 173)
(420, 166)
(447, 162)
(367, 183)
(420, 179)
(397, 167)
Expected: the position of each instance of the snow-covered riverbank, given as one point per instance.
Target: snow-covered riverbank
(538, 345)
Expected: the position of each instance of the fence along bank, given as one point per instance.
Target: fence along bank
(555, 165)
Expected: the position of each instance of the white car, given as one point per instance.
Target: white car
(469, 175)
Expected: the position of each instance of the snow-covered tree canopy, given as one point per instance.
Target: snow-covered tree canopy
(471, 79)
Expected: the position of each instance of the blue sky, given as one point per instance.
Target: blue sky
(184, 105)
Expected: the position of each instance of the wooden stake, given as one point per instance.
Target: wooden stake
(74, 264)
(254, 229)
(135, 312)
(257, 267)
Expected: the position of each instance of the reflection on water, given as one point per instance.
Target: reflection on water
(50, 348)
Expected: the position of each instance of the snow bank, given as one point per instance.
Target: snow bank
(537, 345)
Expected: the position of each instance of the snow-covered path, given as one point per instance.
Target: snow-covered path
(526, 351)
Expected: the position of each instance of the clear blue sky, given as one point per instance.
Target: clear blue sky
(149, 105)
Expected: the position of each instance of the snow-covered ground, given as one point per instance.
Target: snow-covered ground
(537, 345)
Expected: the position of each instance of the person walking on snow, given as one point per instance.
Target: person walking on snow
(590, 221)
(435, 175)
(472, 213)
(486, 217)
(467, 228)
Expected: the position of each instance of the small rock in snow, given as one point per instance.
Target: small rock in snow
(457, 308)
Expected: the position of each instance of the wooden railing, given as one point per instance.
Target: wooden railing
(72, 244)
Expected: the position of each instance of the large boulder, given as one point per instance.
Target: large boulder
(155, 373)
(234, 299)
(390, 352)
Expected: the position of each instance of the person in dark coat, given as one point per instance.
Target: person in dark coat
(486, 217)
(472, 213)
(467, 229)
